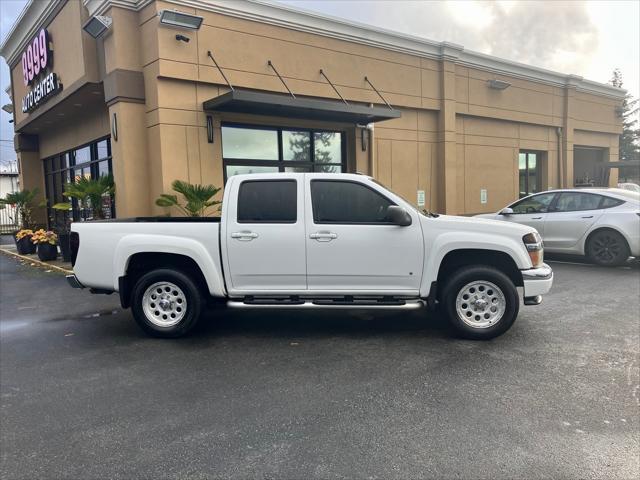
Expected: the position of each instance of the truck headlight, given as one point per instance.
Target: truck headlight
(535, 248)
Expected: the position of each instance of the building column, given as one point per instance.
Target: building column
(31, 173)
(447, 174)
(567, 132)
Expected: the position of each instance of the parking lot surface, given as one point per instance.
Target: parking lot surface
(289, 394)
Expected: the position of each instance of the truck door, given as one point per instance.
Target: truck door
(263, 235)
(351, 247)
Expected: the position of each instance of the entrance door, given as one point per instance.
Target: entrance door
(352, 247)
(264, 235)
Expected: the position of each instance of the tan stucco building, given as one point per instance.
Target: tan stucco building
(466, 132)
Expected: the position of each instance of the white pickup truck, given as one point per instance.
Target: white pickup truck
(292, 240)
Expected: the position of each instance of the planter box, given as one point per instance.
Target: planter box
(25, 246)
(47, 252)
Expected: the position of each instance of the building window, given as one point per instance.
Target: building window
(529, 167)
(254, 149)
(89, 161)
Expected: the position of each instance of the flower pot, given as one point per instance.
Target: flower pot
(25, 246)
(47, 252)
(65, 247)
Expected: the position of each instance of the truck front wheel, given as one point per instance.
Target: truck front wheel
(480, 302)
(166, 303)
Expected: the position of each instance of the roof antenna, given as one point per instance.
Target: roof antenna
(283, 82)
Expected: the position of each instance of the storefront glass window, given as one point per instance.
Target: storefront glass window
(529, 174)
(89, 161)
(252, 149)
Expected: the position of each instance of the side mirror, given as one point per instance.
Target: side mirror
(398, 216)
(506, 211)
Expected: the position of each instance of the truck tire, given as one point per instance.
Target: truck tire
(607, 248)
(480, 302)
(166, 303)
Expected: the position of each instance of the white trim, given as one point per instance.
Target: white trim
(306, 21)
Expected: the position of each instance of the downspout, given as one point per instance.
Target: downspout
(560, 162)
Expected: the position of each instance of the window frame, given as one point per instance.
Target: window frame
(272, 222)
(280, 162)
(329, 180)
(539, 158)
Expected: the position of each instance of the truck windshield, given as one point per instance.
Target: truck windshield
(422, 211)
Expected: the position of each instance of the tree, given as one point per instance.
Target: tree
(89, 193)
(23, 200)
(629, 144)
(197, 198)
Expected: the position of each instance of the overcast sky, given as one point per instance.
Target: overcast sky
(587, 38)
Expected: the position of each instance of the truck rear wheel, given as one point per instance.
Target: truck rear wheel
(480, 302)
(166, 303)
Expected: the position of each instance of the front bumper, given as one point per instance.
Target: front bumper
(537, 281)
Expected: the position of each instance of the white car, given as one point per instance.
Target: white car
(600, 223)
(633, 187)
(312, 240)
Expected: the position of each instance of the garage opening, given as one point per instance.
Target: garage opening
(589, 167)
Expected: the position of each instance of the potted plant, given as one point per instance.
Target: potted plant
(23, 241)
(197, 198)
(89, 193)
(23, 202)
(63, 229)
(47, 242)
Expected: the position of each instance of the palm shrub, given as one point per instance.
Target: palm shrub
(89, 193)
(197, 199)
(23, 200)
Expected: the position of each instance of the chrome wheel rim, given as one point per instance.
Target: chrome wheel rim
(480, 304)
(164, 304)
(606, 248)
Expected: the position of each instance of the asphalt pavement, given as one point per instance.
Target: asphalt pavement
(340, 394)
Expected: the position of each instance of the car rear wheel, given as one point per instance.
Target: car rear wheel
(480, 302)
(607, 248)
(166, 303)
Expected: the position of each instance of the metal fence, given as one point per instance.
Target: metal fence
(8, 219)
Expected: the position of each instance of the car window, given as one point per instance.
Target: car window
(347, 202)
(576, 201)
(608, 202)
(267, 201)
(534, 204)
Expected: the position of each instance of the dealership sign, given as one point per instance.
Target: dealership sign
(37, 59)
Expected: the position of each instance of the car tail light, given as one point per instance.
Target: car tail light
(535, 248)
(74, 244)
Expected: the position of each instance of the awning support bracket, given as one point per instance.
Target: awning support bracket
(281, 79)
(366, 79)
(210, 55)
(333, 86)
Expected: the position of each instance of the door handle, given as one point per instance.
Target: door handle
(536, 218)
(588, 216)
(245, 236)
(323, 236)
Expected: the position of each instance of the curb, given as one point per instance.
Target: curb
(37, 262)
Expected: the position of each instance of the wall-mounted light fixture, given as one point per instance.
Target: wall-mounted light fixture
(97, 25)
(182, 38)
(174, 18)
(209, 129)
(620, 112)
(498, 84)
(364, 137)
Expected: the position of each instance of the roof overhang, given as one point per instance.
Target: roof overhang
(279, 105)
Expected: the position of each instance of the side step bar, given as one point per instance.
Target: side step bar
(363, 304)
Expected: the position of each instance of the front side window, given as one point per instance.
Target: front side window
(347, 202)
(534, 204)
(267, 201)
(576, 201)
(252, 149)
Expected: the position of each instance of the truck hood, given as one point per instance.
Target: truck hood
(475, 224)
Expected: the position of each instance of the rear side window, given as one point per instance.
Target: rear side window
(347, 202)
(267, 201)
(576, 201)
(608, 202)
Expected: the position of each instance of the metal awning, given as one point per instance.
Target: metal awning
(278, 105)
